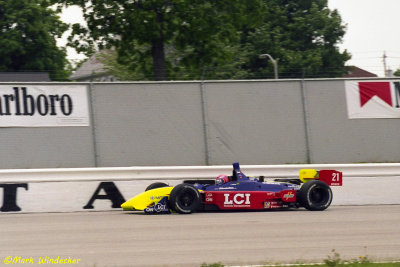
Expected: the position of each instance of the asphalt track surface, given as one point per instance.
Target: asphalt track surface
(119, 238)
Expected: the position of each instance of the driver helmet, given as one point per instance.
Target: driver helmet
(221, 179)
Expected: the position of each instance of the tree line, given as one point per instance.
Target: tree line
(177, 39)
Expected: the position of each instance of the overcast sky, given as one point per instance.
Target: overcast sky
(372, 29)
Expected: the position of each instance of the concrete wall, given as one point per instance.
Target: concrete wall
(47, 147)
(334, 138)
(209, 123)
(255, 122)
(148, 124)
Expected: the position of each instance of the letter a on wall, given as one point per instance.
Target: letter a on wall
(112, 194)
(373, 99)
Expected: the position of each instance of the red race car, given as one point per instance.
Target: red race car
(239, 192)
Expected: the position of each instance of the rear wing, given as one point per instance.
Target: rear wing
(331, 177)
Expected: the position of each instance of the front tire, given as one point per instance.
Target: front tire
(184, 198)
(155, 185)
(315, 195)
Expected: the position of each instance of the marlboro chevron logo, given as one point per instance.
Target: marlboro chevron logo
(373, 99)
(43, 105)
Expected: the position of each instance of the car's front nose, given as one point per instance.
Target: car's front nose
(127, 206)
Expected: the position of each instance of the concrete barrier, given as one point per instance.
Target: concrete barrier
(185, 172)
(68, 190)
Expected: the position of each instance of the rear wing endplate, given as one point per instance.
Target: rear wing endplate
(331, 177)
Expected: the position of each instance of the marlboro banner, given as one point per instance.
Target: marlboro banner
(43, 105)
(373, 99)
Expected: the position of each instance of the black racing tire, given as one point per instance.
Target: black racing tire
(184, 198)
(315, 195)
(155, 185)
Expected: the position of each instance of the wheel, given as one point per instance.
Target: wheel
(315, 195)
(184, 198)
(155, 185)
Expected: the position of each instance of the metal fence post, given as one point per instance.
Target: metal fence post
(306, 122)
(93, 124)
(205, 120)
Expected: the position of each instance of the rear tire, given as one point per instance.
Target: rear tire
(155, 185)
(184, 198)
(315, 195)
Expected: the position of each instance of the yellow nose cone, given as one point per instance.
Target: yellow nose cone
(146, 199)
(127, 206)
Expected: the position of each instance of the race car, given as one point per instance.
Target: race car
(239, 192)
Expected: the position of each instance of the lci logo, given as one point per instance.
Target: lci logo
(237, 199)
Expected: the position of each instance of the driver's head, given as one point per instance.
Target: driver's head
(221, 179)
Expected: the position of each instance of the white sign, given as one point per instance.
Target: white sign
(43, 105)
(373, 99)
(68, 196)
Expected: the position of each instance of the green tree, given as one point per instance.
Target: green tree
(120, 71)
(28, 32)
(164, 38)
(303, 35)
(182, 39)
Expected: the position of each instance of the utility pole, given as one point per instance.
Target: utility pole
(384, 64)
